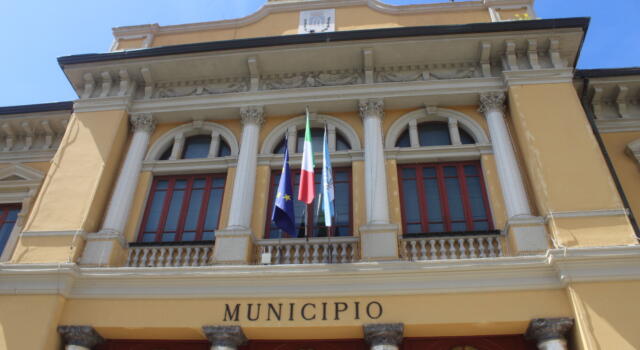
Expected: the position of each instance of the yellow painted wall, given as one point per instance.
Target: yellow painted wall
(77, 187)
(453, 314)
(565, 166)
(286, 23)
(358, 196)
(626, 166)
(30, 322)
(260, 203)
(607, 315)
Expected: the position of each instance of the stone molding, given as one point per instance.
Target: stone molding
(544, 329)
(373, 107)
(383, 333)
(84, 336)
(142, 122)
(227, 336)
(491, 101)
(252, 115)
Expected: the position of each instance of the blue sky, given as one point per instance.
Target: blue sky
(35, 33)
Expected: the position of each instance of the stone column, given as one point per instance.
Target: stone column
(383, 336)
(224, 337)
(100, 247)
(549, 333)
(378, 237)
(79, 337)
(233, 243)
(527, 232)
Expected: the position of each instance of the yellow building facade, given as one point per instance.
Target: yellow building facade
(485, 190)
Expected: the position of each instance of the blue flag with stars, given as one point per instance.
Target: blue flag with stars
(283, 215)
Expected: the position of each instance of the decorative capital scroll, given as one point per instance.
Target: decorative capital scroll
(373, 107)
(142, 122)
(543, 329)
(227, 336)
(490, 101)
(84, 336)
(383, 333)
(252, 115)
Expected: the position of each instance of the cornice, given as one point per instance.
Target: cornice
(551, 271)
(618, 125)
(538, 76)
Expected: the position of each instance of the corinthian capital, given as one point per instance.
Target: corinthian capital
(383, 333)
(543, 329)
(84, 336)
(491, 101)
(373, 107)
(142, 122)
(252, 115)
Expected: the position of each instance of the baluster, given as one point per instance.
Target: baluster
(187, 256)
(443, 250)
(205, 256)
(314, 250)
(296, 254)
(306, 255)
(278, 253)
(160, 258)
(480, 241)
(196, 256)
(499, 243)
(169, 251)
(413, 252)
(129, 256)
(423, 249)
(452, 248)
(343, 253)
(463, 250)
(433, 254)
(287, 254)
(326, 254)
(490, 241)
(152, 260)
(472, 248)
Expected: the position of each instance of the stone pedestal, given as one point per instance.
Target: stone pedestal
(379, 242)
(384, 336)
(79, 337)
(224, 337)
(549, 333)
(527, 235)
(233, 246)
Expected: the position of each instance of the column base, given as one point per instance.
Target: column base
(104, 249)
(527, 235)
(234, 246)
(379, 242)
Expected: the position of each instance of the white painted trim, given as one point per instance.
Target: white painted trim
(438, 153)
(316, 120)
(277, 7)
(53, 233)
(341, 158)
(538, 76)
(585, 213)
(27, 173)
(439, 114)
(190, 166)
(618, 125)
(551, 271)
(27, 156)
(190, 129)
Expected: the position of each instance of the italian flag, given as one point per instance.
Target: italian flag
(306, 191)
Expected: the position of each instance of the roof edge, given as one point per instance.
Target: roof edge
(39, 107)
(297, 39)
(607, 72)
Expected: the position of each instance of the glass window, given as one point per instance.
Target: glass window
(443, 197)
(404, 140)
(434, 134)
(308, 217)
(196, 147)
(317, 134)
(183, 208)
(8, 218)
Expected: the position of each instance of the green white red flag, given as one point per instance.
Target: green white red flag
(306, 192)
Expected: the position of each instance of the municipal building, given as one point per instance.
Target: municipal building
(486, 191)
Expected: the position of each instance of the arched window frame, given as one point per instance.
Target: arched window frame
(176, 138)
(455, 151)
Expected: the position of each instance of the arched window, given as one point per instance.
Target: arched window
(434, 134)
(198, 146)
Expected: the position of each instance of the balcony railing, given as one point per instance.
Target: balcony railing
(173, 254)
(451, 246)
(320, 250)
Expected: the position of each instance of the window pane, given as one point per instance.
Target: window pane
(404, 140)
(162, 185)
(429, 172)
(316, 140)
(433, 134)
(450, 171)
(168, 237)
(414, 228)
(476, 201)
(341, 143)
(470, 170)
(481, 226)
(196, 147)
(167, 153)
(408, 173)
(213, 209)
(436, 228)
(410, 201)
(149, 237)
(432, 192)
(458, 226)
(174, 211)
(193, 211)
(223, 149)
(280, 147)
(5, 232)
(155, 212)
(465, 138)
(188, 236)
(454, 196)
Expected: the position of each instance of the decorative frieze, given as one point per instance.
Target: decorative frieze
(406, 73)
(84, 336)
(200, 87)
(311, 79)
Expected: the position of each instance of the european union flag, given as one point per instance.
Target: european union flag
(283, 215)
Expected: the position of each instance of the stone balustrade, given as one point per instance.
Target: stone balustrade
(169, 255)
(471, 246)
(319, 250)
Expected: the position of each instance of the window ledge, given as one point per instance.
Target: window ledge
(189, 166)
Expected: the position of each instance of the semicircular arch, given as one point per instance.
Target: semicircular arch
(191, 129)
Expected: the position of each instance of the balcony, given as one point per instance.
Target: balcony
(317, 250)
(169, 254)
(451, 246)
